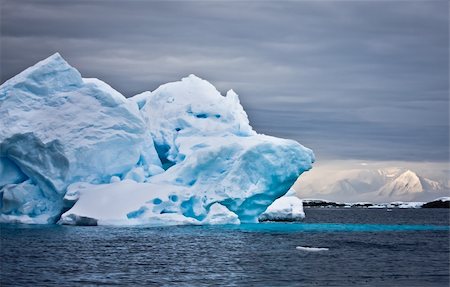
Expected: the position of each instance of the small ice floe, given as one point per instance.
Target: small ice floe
(311, 249)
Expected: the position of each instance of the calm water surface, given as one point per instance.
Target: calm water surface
(366, 248)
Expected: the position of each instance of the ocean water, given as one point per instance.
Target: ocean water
(366, 247)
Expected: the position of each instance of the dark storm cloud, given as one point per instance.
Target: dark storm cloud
(352, 79)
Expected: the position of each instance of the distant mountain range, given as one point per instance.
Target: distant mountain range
(442, 202)
(375, 185)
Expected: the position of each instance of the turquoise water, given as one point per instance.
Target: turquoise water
(365, 248)
(331, 227)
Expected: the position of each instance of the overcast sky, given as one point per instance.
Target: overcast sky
(365, 80)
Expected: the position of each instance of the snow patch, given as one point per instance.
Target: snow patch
(285, 208)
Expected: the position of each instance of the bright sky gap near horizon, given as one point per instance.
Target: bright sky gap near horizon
(351, 80)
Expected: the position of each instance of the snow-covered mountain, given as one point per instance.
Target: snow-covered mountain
(409, 184)
(371, 184)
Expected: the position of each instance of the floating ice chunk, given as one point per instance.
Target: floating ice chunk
(285, 208)
(311, 249)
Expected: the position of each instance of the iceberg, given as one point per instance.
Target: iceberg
(286, 208)
(75, 151)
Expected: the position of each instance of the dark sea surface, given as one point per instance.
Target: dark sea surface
(367, 247)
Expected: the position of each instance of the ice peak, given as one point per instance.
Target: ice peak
(409, 175)
(193, 77)
(194, 80)
(192, 106)
(231, 94)
(195, 86)
(52, 73)
(53, 63)
(56, 57)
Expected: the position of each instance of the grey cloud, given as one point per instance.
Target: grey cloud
(349, 79)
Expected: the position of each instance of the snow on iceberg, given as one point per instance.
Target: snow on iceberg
(182, 154)
(58, 128)
(180, 114)
(286, 208)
